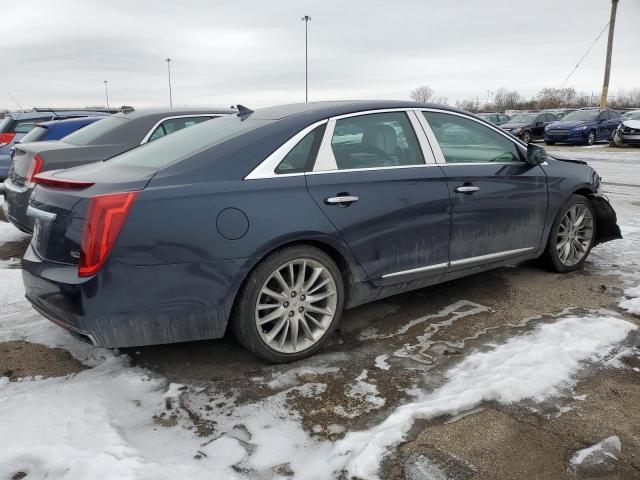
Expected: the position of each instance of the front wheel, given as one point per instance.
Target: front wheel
(289, 305)
(571, 236)
(591, 137)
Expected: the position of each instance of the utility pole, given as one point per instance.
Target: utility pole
(106, 92)
(168, 60)
(607, 67)
(306, 20)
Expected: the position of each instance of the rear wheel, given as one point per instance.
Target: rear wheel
(289, 305)
(526, 137)
(571, 236)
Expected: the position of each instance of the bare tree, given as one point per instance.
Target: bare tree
(506, 99)
(556, 97)
(422, 94)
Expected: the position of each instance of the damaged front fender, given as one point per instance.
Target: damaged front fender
(607, 228)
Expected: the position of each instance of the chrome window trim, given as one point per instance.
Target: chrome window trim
(326, 161)
(462, 262)
(153, 129)
(436, 146)
(372, 169)
(267, 168)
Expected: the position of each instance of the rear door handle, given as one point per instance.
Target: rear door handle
(466, 189)
(341, 200)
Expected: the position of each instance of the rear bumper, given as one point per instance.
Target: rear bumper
(126, 306)
(16, 201)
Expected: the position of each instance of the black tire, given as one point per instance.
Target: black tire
(243, 323)
(549, 142)
(550, 257)
(527, 137)
(591, 138)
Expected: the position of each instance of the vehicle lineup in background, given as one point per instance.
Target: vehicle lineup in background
(111, 136)
(494, 117)
(15, 126)
(184, 237)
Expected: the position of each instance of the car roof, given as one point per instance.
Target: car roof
(53, 113)
(165, 112)
(335, 108)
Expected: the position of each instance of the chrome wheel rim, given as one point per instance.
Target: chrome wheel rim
(296, 306)
(575, 234)
(526, 138)
(591, 138)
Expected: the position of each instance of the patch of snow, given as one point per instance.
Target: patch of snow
(381, 362)
(366, 391)
(9, 233)
(632, 305)
(609, 447)
(531, 366)
(580, 397)
(295, 376)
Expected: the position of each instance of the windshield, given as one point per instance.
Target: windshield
(34, 135)
(91, 133)
(626, 116)
(580, 115)
(186, 142)
(523, 118)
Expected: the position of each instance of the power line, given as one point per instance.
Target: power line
(585, 55)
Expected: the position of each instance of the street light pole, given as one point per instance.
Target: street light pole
(306, 20)
(106, 92)
(607, 67)
(168, 60)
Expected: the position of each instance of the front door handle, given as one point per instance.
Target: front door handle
(343, 200)
(466, 189)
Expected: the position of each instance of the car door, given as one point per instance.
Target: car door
(602, 130)
(614, 121)
(498, 202)
(376, 180)
(537, 128)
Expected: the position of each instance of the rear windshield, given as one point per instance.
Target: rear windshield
(34, 135)
(186, 142)
(90, 133)
(580, 115)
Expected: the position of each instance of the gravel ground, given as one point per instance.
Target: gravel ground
(380, 355)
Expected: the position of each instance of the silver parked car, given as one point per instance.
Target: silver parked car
(102, 140)
(628, 132)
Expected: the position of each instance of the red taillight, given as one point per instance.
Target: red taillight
(105, 218)
(34, 168)
(6, 138)
(48, 180)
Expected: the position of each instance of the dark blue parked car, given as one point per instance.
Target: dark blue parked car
(272, 222)
(57, 129)
(584, 126)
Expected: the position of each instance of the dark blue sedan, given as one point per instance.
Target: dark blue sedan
(584, 126)
(272, 222)
(57, 129)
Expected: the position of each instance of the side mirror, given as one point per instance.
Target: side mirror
(535, 154)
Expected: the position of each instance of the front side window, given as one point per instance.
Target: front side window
(376, 140)
(466, 141)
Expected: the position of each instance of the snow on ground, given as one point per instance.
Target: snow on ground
(530, 366)
(609, 447)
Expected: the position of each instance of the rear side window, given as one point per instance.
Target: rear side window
(187, 142)
(301, 156)
(466, 141)
(376, 140)
(614, 115)
(174, 124)
(90, 133)
(35, 135)
(23, 126)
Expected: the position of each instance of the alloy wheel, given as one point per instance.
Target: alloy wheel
(526, 137)
(575, 234)
(296, 305)
(591, 138)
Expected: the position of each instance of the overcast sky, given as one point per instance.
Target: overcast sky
(252, 52)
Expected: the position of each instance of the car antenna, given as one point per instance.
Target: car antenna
(243, 112)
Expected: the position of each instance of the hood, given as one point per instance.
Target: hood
(632, 123)
(569, 124)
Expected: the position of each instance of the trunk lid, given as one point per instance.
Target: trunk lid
(60, 212)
